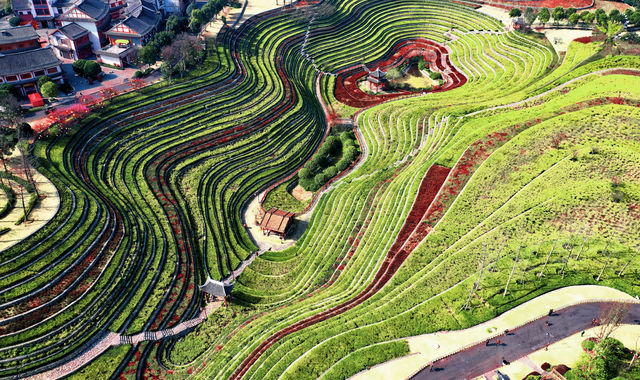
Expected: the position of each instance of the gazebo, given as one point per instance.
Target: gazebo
(376, 80)
(276, 221)
(217, 289)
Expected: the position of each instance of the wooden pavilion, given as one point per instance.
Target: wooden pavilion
(276, 221)
(376, 80)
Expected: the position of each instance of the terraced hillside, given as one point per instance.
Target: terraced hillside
(531, 158)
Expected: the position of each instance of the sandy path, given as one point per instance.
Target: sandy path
(429, 347)
(39, 216)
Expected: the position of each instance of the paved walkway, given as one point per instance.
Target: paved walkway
(45, 209)
(112, 339)
(482, 358)
(429, 347)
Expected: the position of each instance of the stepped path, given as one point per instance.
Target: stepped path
(112, 339)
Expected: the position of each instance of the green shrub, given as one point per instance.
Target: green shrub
(49, 90)
(588, 345)
(14, 21)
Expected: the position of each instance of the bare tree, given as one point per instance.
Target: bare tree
(547, 261)
(566, 261)
(606, 264)
(628, 262)
(513, 269)
(476, 284)
(584, 244)
(611, 318)
(24, 207)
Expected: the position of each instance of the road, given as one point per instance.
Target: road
(481, 358)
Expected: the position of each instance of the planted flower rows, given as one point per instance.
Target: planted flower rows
(152, 190)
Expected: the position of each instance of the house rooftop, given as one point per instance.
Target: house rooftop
(30, 60)
(18, 34)
(73, 31)
(95, 9)
(20, 4)
(143, 18)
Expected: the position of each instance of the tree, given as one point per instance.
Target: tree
(195, 26)
(319, 180)
(393, 73)
(49, 90)
(616, 16)
(14, 21)
(530, 15)
(10, 111)
(176, 24)
(544, 16)
(92, 69)
(558, 14)
(149, 53)
(569, 12)
(635, 18)
(25, 131)
(574, 19)
(184, 53)
(42, 80)
(8, 142)
(610, 29)
(587, 17)
(163, 38)
(305, 173)
(78, 67)
(515, 12)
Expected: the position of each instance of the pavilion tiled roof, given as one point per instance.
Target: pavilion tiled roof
(276, 220)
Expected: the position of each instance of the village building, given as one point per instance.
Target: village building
(376, 80)
(23, 69)
(22, 9)
(277, 222)
(138, 27)
(71, 42)
(92, 15)
(18, 39)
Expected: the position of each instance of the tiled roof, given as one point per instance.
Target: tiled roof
(30, 60)
(18, 34)
(20, 4)
(276, 220)
(73, 31)
(95, 9)
(142, 20)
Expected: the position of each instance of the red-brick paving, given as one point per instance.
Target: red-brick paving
(481, 358)
(399, 251)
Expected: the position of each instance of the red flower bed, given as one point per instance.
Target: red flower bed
(508, 4)
(583, 40)
(432, 181)
(348, 92)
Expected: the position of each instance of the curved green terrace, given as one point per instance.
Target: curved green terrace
(542, 158)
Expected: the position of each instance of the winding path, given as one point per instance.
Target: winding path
(481, 358)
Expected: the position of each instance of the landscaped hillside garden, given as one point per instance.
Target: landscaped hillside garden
(518, 176)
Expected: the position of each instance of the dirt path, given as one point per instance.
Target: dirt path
(39, 216)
